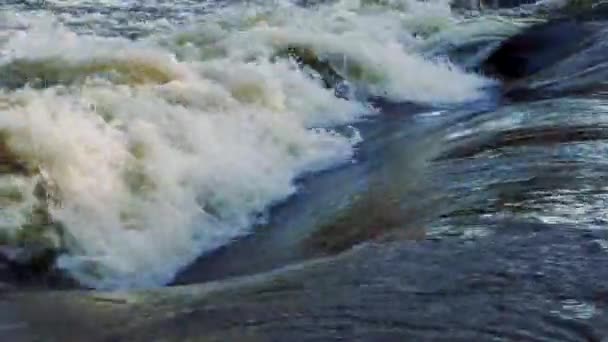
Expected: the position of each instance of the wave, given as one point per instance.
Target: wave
(147, 153)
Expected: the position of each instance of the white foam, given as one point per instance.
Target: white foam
(382, 42)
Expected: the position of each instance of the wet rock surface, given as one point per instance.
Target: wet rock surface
(564, 56)
(452, 289)
(536, 48)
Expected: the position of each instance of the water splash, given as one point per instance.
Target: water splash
(166, 147)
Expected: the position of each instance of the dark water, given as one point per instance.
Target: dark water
(528, 282)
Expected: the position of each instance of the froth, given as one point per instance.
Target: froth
(375, 45)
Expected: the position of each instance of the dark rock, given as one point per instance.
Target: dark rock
(35, 259)
(307, 57)
(584, 10)
(536, 48)
(31, 269)
(581, 73)
(565, 56)
(493, 4)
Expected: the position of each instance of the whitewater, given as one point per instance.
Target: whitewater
(141, 139)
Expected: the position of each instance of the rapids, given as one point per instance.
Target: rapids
(365, 170)
(163, 148)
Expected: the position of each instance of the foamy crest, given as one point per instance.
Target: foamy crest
(375, 45)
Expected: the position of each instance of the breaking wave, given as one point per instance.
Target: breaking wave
(133, 157)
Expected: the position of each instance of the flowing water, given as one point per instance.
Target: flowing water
(152, 143)
(163, 148)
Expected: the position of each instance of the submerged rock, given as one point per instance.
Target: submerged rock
(307, 57)
(334, 70)
(34, 248)
(29, 247)
(508, 287)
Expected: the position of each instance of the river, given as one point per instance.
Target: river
(261, 171)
